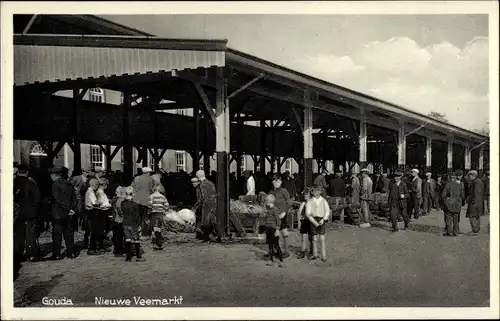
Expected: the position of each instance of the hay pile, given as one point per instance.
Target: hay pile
(252, 209)
(176, 227)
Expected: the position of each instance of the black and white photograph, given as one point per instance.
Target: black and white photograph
(290, 155)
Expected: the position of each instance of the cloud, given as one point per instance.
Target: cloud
(439, 77)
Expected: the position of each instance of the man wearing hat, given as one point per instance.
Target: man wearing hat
(452, 196)
(338, 191)
(207, 204)
(320, 181)
(143, 186)
(64, 204)
(428, 191)
(27, 197)
(398, 194)
(289, 185)
(366, 194)
(475, 204)
(416, 194)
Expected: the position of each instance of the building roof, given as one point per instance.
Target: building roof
(126, 37)
(300, 80)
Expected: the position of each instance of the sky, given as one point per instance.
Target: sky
(422, 62)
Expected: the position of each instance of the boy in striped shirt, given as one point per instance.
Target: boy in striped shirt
(158, 205)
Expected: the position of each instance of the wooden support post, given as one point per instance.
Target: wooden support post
(222, 148)
(308, 139)
(108, 157)
(481, 160)
(239, 156)
(450, 155)
(128, 153)
(262, 157)
(273, 147)
(196, 159)
(467, 153)
(77, 150)
(401, 147)
(363, 140)
(428, 154)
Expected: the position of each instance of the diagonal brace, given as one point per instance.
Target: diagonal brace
(206, 102)
(245, 86)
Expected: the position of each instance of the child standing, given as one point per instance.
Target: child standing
(305, 226)
(272, 223)
(283, 202)
(117, 227)
(158, 205)
(131, 222)
(318, 211)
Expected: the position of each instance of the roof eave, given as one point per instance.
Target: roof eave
(143, 42)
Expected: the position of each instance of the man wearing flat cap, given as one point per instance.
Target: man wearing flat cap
(64, 205)
(338, 192)
(365, 197)
(475, 204)
(452, 196)
(416, 194)
(398, 194)
(428, 191)
(207, 204)
(320, 181)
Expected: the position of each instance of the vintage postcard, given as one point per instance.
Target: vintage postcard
(249, 160)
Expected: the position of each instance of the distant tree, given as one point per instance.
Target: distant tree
(438, 116)
(485, 131)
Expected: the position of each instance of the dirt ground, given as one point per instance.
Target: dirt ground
(365, 268)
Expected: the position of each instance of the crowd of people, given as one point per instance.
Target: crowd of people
(98, 202)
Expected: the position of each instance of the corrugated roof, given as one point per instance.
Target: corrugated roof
(43, 58)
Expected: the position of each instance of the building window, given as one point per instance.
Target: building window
(181, 111)
(180, 161)
(152, 162)
(96, 157)
(288, 165)
(37, 150)
(96, 95)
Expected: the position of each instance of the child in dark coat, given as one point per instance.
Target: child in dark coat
(131, 222)
(272, 221)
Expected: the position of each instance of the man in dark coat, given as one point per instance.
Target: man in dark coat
(64, 205)
(428, 191)
(320, 181)
(475, 204)
(207, 203)
(398, 194)
(289, 185)
(379, 183)
(452, 195)
(486, 182)
(27, 197)
(337, 185)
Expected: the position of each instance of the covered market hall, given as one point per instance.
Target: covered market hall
(243, 105)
